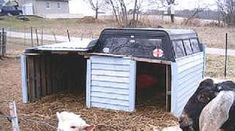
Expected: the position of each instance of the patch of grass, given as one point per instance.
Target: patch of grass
(215, 66)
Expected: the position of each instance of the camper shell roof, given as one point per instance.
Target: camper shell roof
(151, 43)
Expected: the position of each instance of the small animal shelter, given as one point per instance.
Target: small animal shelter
(121, 70)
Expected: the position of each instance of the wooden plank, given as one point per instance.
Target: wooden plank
(151, 60)
(54, 74)
(174, 79)
(110, 79)
(1, 44)
(43, 75)
(110, 84)
(14, 116)
(167, 87)
(110, 67)
(24, 79)
(109, 101)
(132, 85)
(110, 90)
(110, 73)
(88, 84)
(38, 76)
(48, 75)
(31, 78)
(109, 95)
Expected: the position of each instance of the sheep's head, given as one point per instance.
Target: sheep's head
(69, 121)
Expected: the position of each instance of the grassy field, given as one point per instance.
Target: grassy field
(212, 36)
(215, 67)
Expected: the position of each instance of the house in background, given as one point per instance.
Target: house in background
(45, 8)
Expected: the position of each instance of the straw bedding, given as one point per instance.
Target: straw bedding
(40, 115)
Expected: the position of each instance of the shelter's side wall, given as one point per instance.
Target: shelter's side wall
(188, 72)
(111, 83)
(47, 74)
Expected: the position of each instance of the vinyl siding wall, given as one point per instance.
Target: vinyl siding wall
(111, 83)
(187, 73)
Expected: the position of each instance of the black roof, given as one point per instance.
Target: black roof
(142, 42)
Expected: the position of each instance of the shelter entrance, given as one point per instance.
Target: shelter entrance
(49, 73)
(152, 85)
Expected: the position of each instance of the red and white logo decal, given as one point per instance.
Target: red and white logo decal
(158, 52)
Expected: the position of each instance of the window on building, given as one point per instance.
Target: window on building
(188, 47)
(58, 5)
(47, 5)
(195, 46)
(179, 48)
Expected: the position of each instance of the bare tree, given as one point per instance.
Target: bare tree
(166, 3)
(227, 10)
(120, 11)
(96, 6)
(196, 11)
(136, 12)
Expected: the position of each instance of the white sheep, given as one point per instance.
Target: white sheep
(216, 112)
(69, 121)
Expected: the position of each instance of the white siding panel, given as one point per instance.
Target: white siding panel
(110, 90)
(110, 78)
(88, 84)
(189, 74)
(113, 95)
(110, 73)
(189, 59)
(189, 66)
(188, 80)
(110, 67)
(110, 60)
(110, 106)
(112, 83)
(110, 101)
(24, 79)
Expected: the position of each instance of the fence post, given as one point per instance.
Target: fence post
(68, 35)
(31, 30)
(42, 37)
(54, 37)
(36, 33)
(1, 44)
(14, 117)
(226, 55)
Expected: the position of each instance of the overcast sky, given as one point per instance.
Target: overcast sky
(190, 4)
(80, 7)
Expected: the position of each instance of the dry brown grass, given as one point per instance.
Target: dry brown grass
(213, 36)
(215, 67)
